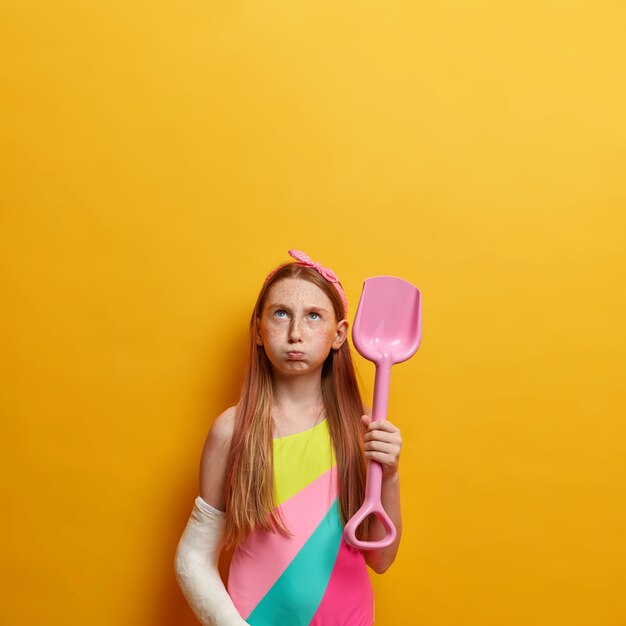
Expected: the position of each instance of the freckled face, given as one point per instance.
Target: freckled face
(298, 327)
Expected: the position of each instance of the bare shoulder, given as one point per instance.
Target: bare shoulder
(214, 458)
(221, 430)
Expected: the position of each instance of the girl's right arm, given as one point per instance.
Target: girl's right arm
(198, 551)
(214, 458)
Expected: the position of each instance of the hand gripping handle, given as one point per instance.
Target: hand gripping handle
(372, 504)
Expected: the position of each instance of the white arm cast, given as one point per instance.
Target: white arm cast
(196, 564)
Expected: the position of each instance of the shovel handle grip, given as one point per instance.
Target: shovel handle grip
(372, 504)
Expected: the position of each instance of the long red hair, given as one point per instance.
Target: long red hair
(249, 485)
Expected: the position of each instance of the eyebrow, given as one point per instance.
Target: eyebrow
(278, 305)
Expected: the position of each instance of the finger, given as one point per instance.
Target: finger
(382, 430)
(383, 425)
(381, 435)
(392, 449)
(380, 457)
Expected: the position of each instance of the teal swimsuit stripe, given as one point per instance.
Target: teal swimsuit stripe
(305, 580)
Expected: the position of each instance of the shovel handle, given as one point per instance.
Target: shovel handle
(372, 504)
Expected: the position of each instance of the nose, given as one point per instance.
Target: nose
(295, 331)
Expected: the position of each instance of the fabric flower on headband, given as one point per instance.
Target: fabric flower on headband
(305, 260)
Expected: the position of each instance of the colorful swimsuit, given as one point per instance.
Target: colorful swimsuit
(311, 577)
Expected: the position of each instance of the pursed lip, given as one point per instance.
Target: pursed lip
(294, 355)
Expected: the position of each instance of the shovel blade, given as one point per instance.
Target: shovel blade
(388, 321)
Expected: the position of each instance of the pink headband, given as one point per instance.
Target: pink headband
(305, 261)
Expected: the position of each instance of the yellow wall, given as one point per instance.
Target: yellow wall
(157, 159)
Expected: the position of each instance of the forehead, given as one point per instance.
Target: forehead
(297, 292)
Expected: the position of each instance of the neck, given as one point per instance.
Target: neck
(298, 396)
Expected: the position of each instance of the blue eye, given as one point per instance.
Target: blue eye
(280, 313)
(314, 316)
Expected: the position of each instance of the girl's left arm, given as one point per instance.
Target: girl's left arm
(383, 443)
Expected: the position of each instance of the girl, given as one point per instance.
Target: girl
(283, 471)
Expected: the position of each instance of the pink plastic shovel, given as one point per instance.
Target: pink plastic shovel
(387, 329)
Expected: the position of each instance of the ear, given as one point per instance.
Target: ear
(259, 339)
(341, 334)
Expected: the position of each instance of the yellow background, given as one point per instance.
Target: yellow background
(158, 159)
